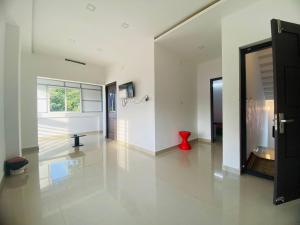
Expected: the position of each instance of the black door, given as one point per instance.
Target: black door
(111, 111)
(286, 62)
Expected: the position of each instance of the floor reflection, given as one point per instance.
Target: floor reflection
(107, 183)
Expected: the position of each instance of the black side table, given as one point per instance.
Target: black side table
(76, 140)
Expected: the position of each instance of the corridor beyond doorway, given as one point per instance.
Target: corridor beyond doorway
(216, 92)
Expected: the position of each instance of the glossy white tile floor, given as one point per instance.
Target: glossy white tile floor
(108, 184)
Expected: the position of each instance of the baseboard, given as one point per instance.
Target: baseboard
(231, 170)
(142, 150)
(204, 140)
(136, 148)
(30, 149)
(165, 150)
(174, 147)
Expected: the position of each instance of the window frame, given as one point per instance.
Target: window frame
(45, 98)
(66, 102)
(81, 88)
(100, 101)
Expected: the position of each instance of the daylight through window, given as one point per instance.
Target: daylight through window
(61, 96)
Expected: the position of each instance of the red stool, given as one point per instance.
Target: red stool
(184, 144)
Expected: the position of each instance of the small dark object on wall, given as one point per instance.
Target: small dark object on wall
(127, 90)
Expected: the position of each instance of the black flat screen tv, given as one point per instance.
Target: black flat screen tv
(127, 90)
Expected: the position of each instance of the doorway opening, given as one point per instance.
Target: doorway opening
(111, 111)
(257, 111)
(216, 91)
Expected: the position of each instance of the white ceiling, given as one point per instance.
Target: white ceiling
(200, 39)
(66, 28)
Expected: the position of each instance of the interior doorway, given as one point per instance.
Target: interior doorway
(270, 110)
(257, 111)
(111, 111)
(216, 92)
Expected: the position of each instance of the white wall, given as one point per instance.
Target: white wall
(34, 65)
(53, 124)
(244, 27)
(12, 112)
(2, 129)
(175, 98)
(135, 123)
(206, 71)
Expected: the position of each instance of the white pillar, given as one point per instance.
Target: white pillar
(12, 121)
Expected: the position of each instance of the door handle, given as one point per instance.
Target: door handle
(287, 121)
(282, 122)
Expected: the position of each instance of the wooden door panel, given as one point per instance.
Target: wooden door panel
(111, 114)
(292, 92)
(286, 63)
(292, 144)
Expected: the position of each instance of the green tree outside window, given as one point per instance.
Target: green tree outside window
(64, 99)
(57, 99)
(73, 100)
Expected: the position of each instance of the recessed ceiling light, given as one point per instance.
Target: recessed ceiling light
(90, 7)
(125, 25)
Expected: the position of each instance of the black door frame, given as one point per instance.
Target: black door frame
(106, 106)
(243, 95)
(212, 130)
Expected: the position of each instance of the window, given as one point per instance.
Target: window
(60, 96)
(42, 98)
(91, 98)
(57, 99)
(64, 99)
(73, 99)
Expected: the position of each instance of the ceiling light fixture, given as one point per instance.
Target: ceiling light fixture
(90, 7)
(75, 61)
(125, 25)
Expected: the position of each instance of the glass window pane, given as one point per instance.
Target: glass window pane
(91, 106)
(111, 102)
(57, 99)
(42, 105)
(73, 99)
(93, 95)
(42, 91)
